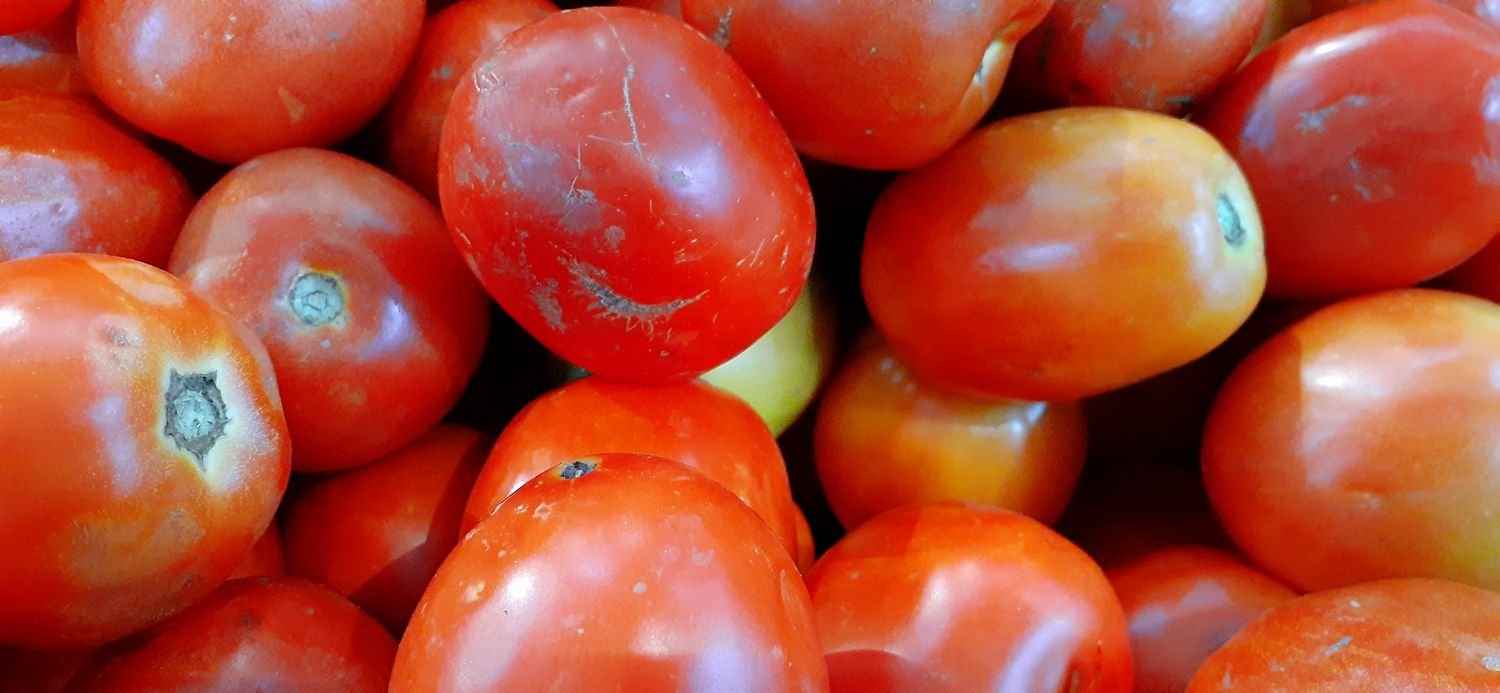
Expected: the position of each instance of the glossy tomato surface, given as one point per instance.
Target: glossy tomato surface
(143, 444)
(17, 16)
(1487, 10)
(618, 185)
(44, 58)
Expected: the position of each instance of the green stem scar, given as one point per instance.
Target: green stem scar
(316, 298)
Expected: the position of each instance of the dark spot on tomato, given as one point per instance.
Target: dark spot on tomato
(577, 468)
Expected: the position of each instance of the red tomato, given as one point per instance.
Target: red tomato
(144, 448)
(1064, 254)
(1367, 182)
(45, 58)
(377, 534)
(1479, 275)
(884, 84)
(953, 597)
(265, 558)
(347, 274)
(232, 79)
(1126, 510)
(259, 634)
(1182, 604)
(1392, 635)
(1488, 10)
(70, 181)
(1364, 443)
(17, 16)
(616, 223)
(615, 573)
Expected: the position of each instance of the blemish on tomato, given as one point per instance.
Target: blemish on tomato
(195, 413)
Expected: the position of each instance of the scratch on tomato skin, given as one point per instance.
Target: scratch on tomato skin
(544, 297)
(1317, 120)
(635, 131)
(1338, 646)
(721, 33)
(589, 281)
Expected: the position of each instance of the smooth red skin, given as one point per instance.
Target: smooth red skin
(890, 85)
(1478, 276)
(1158, 55)
(1364, 443)
(378, 533)
(695, 424)
(106, 524)
(288, 75)
(613, 221)
(44, 58)
(1123, 511)
(70, 181)
(1350, 203)
(1390, 635)
(265, 559)
(671, 8)
(415, 322)
(262, 634)
(1183, 603)
(954, 597)
(451, 41)
(17, 16)
(1488, 10)
(641, 575)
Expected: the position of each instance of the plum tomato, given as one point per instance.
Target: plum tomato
(1063, 254)
(44, 58)
(265, 559)
(615, 573)
(350, 278)
(1366, 182)
(233, 79)
(1363, 442)
(1488, 10)
(17, 16)
(619, 186)
(143, 444)
(1479, 275)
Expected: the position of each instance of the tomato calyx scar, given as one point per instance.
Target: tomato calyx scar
(195, 413)
(316, 298)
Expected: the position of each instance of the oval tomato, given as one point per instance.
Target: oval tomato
(265, 559)
(17, 16)
(44, 58)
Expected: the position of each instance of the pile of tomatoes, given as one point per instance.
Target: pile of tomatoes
(364, 345)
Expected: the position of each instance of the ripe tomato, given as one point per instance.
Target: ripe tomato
(451, 41)
(954, 597)
(613, 222)
(348, 276)
(1361, 443)
(1064, 254)
(1488, 10)
(1367, 182)
(45, 58)
(265, 559)
(260, 634)
(1126, 510)
(377, 534)
(17, 16)
(144, 448)
(1391, 635)
(1479, 275)
(70, 181)
(886, 84)
(616, 572)
(1182, 604)
(232, 79)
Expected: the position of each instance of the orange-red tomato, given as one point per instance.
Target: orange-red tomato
(265, 559)
(1488, 10)
(1064, 254)
(378, 533)
(1390, 635)
(1126, 510)
(1364, 442)
(1479, 275)
(952, 597)
(143, 444)
(44, 58)
(615, 573)
(1182, 604)
(17, 16)
(350, 278)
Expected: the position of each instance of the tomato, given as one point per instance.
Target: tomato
(1063, 254)
(615, 572)
(377, 534)
(1391, 635)
(1488, 10)
(955, 597)
(265, 559)
(44, 58)
(451, 41)
(1479, 275)
(1365, 182)
(262, 634)
(144, 448)
(17, 16)
(1300, 449)
(70, 181)
(885, 439)
(1182, 604)
(233, 79)
(1124, 511)
(694, 424)
(349, 277)
(889, 85)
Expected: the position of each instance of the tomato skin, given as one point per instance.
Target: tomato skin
(1299, 445)
(1350, 204)
(17, 16)
(390, 354)
(637, 575)
(44, 58)
(301, 75)
(32, 671)
(671, 8)
(1389, 635)
(378, 533)
(265, 559)
(1281, 17)
(1488, 10)
(599, 222)
(107, 521)
(990, 277)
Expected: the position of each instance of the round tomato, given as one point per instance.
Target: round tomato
(615, 572)
(265, 559)
(349, 277)
(1488, 10)
(17, 16)
(621, 189)
(45, 58)
(1064, 254)
(143, 444)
